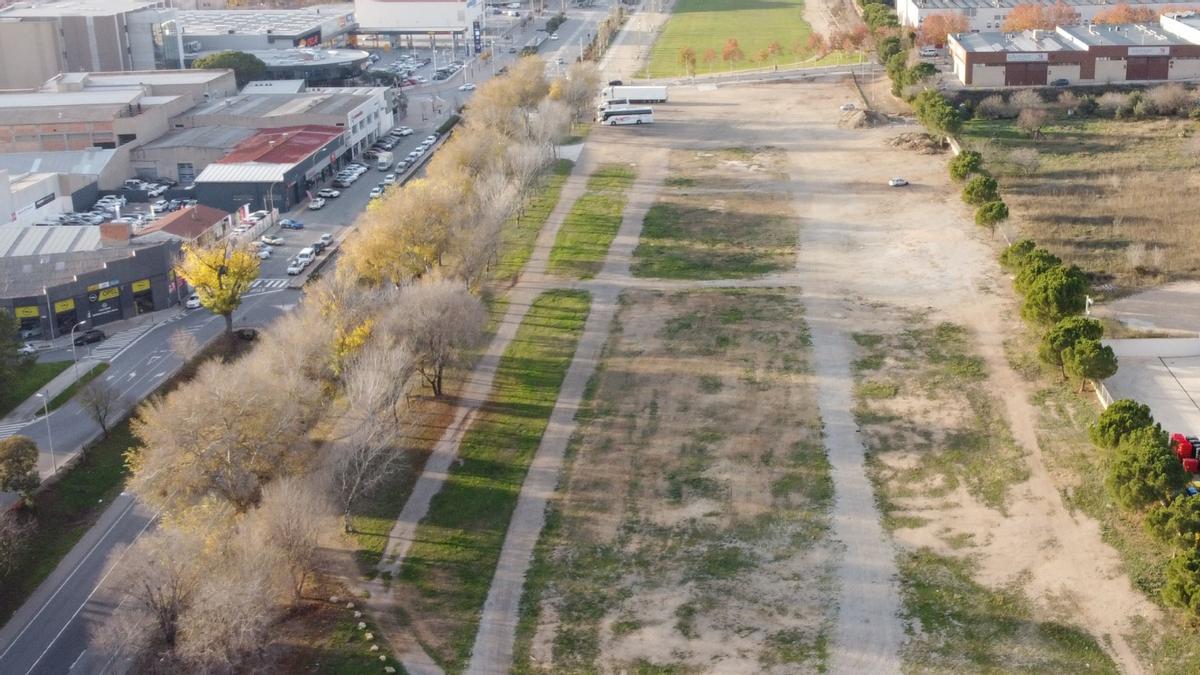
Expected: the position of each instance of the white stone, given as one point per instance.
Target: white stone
(362, 625)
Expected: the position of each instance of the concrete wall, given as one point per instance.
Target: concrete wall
(1067, 71)
(987, 76)
(30, 53)
(1182, 69)
(1110, 70)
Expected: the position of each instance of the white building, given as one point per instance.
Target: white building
(989, 15)
(454, 23)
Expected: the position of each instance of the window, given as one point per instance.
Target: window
(122, 139)
(187, 173)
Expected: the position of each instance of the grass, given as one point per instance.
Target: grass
(449, 567)
(960, 626)
(66, 394)
(1102, 194)
(588, 230)
(522, 229)
(28, 380)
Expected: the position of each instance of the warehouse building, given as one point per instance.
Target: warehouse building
(181, 154)
(1167, 50)
(990, 15)
(266, 29)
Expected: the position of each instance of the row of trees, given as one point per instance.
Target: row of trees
(1025, 16)
(253, 462)
(981, 190)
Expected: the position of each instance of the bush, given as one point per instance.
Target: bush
(1182, 588)
(1177, 522)
(1111, 101)
(993, 108)
(1014, 256)
(1169, 99)
(981, 190)
(966, 163)
(1143, 470)
(991, 213)
(936, 113)
(1121, 419)
(1054, 295)
(1089, 360)
(1035, 264)
(1065, 334)
(1026, 99)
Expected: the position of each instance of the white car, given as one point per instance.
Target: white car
(158, 206)
(326, 238)
(897, 182)
(413, 155)
(193, 301)
(389, 179)
(328, 193)
(376, 192)
(847, 107)
(316, 203)
(554, 36)
(256, 217)
(404, 131)
(430, 140)
(467, 87)
(264, 253)
(26, 349)
(270, 240)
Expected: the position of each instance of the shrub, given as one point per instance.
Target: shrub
(1026, 99)
(966, 163)
(1143, 470)
(1065, 334)
(1119, 420)
(1014, 256)
(1177, 522)
(936, 113)
(1182, 587)
(993, 108)
(981, 190)
(1089, 360)
(1054, 295)
(991, 213)
(1112, 101)
(1169, 99)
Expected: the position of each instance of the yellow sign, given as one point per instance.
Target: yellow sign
(64, 306)
(27, 312)
(139, 286)
(108, 294)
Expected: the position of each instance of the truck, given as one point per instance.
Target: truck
(384, 161)
(643, 94)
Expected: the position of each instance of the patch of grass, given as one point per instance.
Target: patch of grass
(347, 652)
(522, 228)
(794, 646)
(878, 389)
(707, 24)
(723, 562)
(685, 240)
(960, 626)
(588, 230)
(28, 379)
(66, 394)
(458, 543)
(710, 384)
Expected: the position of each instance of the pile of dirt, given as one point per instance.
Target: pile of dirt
(920, 142)
(862, 119)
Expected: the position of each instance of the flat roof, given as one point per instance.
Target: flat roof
(274, 87)
(282, 146)
(79, 162)
(220, 137)
(247, 172)
(285, 23)
(271, 105)
(76, 8)
(27, 274)
(48, 239)
(300, 56)
(1009, 4)
(1026, 41)
(134, 78)
(1122, 35)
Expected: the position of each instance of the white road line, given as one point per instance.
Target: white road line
(12, 429)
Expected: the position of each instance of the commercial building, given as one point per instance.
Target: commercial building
(266, 29)
(455, 23)
(201, 225)
(38, 40)
(273, 169)
(181, 154)
(312, 64)
(1097, 54)
(57, 276)
(41, 184)
(989, 15)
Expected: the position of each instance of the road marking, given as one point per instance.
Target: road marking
(269, 283)
(7, 430)
(116, 345)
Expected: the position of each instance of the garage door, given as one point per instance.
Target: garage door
(1147, 67)
(1024, 74)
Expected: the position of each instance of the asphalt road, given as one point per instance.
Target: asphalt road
(51, 632)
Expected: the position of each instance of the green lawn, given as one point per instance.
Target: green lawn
(27, 380)
(689, 241)
(582, 242)
(522, 230)
(66, 394)
(703, 24)
(449, 567)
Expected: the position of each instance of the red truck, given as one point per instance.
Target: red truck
(1185, 448)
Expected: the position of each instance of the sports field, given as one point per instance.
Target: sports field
(755, 24)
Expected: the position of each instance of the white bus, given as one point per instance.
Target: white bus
(629, 115)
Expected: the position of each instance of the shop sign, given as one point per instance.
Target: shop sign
(27, 312)
(1025, 57)
(103, 301)
(64, 306)
(1149, 51)
(478, 34)
(42, 201)
(139, 286)
(103, 285)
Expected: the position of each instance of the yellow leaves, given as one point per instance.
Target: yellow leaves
(348, 343)
(220, 275)
(556, 90)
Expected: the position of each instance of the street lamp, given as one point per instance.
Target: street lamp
(74, 356)
(46, 410)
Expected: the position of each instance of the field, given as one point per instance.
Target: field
(589, 228)
(1110, 196)
(705, 24)
(444, 579)
(721, 215)
(690, 534)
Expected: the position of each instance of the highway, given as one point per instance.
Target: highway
(50, 633)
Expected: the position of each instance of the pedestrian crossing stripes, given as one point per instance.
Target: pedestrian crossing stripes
(7, 430)
(113, 345)
(269, 283)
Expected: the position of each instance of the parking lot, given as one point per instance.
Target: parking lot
(1163, 373)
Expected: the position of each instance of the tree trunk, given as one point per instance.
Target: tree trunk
(228, 324)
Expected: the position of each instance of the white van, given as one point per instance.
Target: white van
(928, 52)
(306, 255)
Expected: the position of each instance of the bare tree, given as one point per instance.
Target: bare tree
(1027, 159)
(1031, 120)
(101, 402)
(14, 534)
(293, 514)
(184, 344)
(438, 320)
(579, 89)
(1025, 99)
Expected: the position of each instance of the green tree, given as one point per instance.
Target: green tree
(921, 72)
(1182, 587)
(1014, 256)
(1177, 522)
(220, 276)
(1055, 295)
(18, 465)
(1033, 265)
(879, 16)
(245, 67)
(991, 213)
(1065, 334)
(887, 48)
(936, 113)
(1119, 420)
(1089, 360)
(981, 190)
(966, 163)
(1143, 470)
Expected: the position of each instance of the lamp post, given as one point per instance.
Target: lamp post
(46, 410)
(74, 356)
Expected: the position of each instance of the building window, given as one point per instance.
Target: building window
(187, 173)
(122, 139)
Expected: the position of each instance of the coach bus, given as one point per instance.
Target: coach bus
(628, 115)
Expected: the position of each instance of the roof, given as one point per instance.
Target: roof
(278, 22)
(45, 239)
(24, 275)
(276, 58)
(1009, 4)
(82, 162)
(187, 223)
(134, 78)
(77, 8)
(247, 172)
(219, 137)
(268, 105)
(282, 146)
(1027, 41)
(1124, 35)
(274, 87)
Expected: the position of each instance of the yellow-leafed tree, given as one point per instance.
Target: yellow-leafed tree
(220, 275)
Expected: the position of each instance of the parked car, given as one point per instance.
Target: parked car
(294, 267)
(89, 336)
(404, 131)
(264, 253)
(469, 86)
(271, 240)
(316, 204)
(389, 179)
(376, 192)
(1061, 82)
(158, 206)
(289, 224)
(846, 107)
(27, 350)
(370, 154)
(328, 193)
(317, 246)
(554, 36)
(327, 239)
(615, 83)
(928, 52)
(256, 217)
(193, 301)
(897, 182)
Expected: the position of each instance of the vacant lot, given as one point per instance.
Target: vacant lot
(589, 228)
(445, 577)
(691, 532)
(1113, 197)
(709, 24)
(721, 215)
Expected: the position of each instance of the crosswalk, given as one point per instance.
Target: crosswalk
(260, 284)
(113, 345)
(7, 430)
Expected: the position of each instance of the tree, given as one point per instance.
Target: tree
(878, 16)
(1177, 522)
(1182, 587)
(1013, 257)
(1026, 159)
(936, 113)
(980, 190)
(220, 276)
(101, 402)
(1031, 121)
(1055, 295)
(1089, 360)
(1035, 264)
(1027, 16)
(1065, 334)
(579, 90)
(888, 48)
(966, 163)
(440, 320)
(1121, 419)
(293, 514)
(732, 53)
(1122, 13)
(1062, 14)
(1143, 470)
(709, 57)
(245, 67)
(687, 59)
(938, 26)
(774, 50)
(816, 44)
(10, 342)
(991, 213)
(18, 465)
